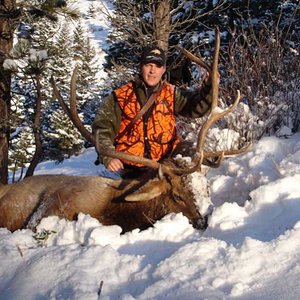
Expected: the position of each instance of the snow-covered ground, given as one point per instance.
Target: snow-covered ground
(249, 250)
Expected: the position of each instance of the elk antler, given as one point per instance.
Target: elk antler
(215, 114)
(194, 58)
(110, 152)
(72, 111)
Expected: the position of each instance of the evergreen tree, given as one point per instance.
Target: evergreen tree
(22, 149)
(84, 55)
(13, 13)
(92, 10)
(65, 140)
(59, 66)
(88, 89)
(61, 58)
(36, 62)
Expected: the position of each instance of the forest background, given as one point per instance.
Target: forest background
(41, 42)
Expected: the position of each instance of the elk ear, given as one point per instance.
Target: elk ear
(152, 189)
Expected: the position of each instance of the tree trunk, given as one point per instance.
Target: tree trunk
(9, 17)
(36, 130)
(162, 23)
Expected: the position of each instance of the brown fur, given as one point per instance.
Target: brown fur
(25, 203)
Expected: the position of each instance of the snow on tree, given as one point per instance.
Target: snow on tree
(65, 140)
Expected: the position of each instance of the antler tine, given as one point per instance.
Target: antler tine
(207, 154)
(194, 58)
(72, 110)
(162, 168)
(215, 114)
(124, 156)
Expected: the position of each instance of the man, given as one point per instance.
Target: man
(151, 134)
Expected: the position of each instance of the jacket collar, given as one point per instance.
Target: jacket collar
(141, 84)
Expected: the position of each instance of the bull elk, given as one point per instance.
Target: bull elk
(129, 203)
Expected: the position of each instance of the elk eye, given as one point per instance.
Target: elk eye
(177, 198)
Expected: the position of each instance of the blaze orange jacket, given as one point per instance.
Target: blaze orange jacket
(187, 103)
(153, 135)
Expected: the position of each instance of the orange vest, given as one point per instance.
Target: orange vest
(153, 138)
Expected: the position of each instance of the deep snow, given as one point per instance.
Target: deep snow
(249, 250)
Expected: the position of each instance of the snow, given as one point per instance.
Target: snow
(38, 55)
(248, 251)
(97, 26)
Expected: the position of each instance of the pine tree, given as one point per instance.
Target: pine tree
(65, 140)
(18, 12)
(37, 58)
(91, 10)
(61, 62)
(88, 89)
(22, 149)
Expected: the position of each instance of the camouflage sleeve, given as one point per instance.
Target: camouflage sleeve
(193, 104)
(107, 124)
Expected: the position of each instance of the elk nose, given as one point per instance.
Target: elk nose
(201, 223)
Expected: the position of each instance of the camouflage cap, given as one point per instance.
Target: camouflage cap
(153, 54)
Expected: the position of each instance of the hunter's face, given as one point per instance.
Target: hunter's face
(152, 73)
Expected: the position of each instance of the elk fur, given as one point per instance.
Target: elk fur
(127, 203)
